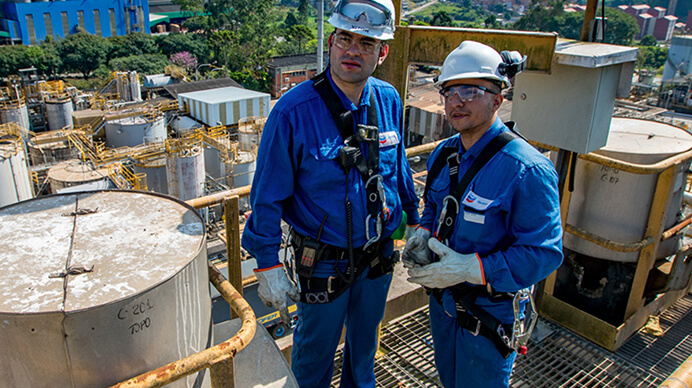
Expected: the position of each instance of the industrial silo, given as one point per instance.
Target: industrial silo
(147, 127)
(593, 206)
(75, 172)
(611, 205)
(249, 136)
(51, 147)
(14, 111)
(185, 168)
(113, 284)
(15, 181)
(59, 112)
(154, 169)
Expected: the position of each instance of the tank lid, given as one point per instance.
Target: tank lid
(75, 170)
(122, 242)
(644, 137)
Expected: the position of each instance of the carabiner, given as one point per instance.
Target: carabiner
(378, 230)
(522, 328)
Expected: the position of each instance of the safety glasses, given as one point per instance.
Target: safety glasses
(465, 93)
(359, 11)
(345, 42)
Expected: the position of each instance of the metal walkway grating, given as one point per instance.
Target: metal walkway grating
(557, 357)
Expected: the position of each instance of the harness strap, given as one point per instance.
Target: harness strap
(350, 156)
(449, 215)
(475, 319)
(324, 290)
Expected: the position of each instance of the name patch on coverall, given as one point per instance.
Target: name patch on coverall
(478, 203)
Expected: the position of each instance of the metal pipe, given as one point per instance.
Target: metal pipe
(608, 244)
(626, 166)
(220, 354)
(677, 227)
(681, 377)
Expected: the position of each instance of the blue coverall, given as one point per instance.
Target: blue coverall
(298, 179)
(510, 216)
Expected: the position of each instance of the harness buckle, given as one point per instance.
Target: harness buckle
(477, 330)
(329, 284)
(443, 214)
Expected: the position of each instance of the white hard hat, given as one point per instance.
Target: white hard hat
(372, 18)
(473, 60)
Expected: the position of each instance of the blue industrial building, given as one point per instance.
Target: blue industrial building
(31, 22)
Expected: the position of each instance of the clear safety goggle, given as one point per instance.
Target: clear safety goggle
(359, 11)
(465, 93)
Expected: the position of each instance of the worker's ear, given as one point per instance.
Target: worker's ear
(384, 51)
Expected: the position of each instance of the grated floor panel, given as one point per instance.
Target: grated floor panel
(557, 357)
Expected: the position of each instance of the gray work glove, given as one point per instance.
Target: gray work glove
(416, 252)
(273, 288)
(453, 268)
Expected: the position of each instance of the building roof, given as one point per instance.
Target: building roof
(196, 86)
(293, 60)
(219, 95)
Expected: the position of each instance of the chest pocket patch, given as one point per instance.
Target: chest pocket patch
(389, 138)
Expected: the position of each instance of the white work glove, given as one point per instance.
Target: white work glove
(453, 268)
(416, 252)
(410, 229)
(273, 288)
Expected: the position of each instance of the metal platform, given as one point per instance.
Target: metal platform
(557, 357)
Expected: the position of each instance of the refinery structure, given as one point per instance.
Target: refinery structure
(116, 212)
(57, 139)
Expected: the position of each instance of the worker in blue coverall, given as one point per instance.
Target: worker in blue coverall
(342, 187)
(506, 235)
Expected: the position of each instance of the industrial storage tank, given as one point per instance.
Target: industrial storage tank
(615, 204)
(15, 181)
(75, 172)
(113, 284)
(15, 111)
(250, 132)
(244, 168)
(59, 112)
(155, 171)
(185, 168)
(51, 147)
(149, 127)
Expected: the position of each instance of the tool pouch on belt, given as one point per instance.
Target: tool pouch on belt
(307, 253)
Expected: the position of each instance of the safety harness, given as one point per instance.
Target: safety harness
(309, 251)
(469, 316)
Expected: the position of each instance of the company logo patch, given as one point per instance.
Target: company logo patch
(388, 139)
(475, 201)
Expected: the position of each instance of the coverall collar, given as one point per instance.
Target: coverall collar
(364, 98)
(494, 130)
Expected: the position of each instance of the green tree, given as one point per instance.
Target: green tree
(303, 11)
(142, 64)
(83, 52)
(298, 35)
(135, 43)
(290, 20)
(441, 18)
(176, 42)
(621, 27)
(648, 40)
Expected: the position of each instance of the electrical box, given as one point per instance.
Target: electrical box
(571, 107)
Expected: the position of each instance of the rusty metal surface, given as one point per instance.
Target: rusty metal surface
(220, 354)
(431, 45)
